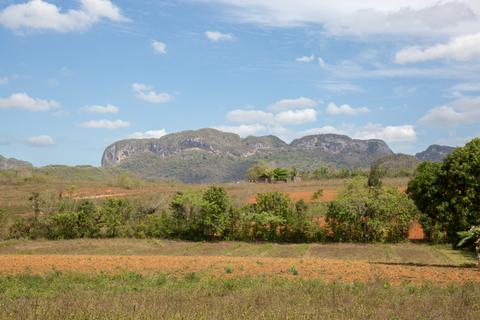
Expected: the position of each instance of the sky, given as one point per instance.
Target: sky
(78, 75)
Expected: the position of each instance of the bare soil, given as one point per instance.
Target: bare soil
(327, 270)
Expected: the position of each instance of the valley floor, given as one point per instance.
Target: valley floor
(151, 279)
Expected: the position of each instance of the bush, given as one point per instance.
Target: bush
(362, 214)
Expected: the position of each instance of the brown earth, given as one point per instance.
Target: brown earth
(308, 268)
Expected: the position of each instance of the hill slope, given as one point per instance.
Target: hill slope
(398, 165)
(209, 155)
(435, 153)
(12, 163)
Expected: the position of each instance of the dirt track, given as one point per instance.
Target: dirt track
(326, 270)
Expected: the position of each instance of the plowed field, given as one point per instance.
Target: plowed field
(328, 270)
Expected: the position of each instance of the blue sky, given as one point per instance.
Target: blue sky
(76, 76)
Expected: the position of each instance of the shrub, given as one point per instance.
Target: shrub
(362, 214)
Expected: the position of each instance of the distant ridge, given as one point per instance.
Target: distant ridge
(435, 153)
(12, 163)
(209, 155)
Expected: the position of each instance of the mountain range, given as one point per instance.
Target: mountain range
(209, 155)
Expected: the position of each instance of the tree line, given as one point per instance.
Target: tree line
(362, 213)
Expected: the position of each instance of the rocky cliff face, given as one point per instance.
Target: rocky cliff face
(12, 163)
(434, 153)
(191, 154)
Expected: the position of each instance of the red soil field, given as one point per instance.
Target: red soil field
(328, 270)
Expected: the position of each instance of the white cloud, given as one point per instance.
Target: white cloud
(25, 102)
(40, 141)
(353, 17)
(39, 14)
(250, 116)
(3, 80)
(395, 134)
(147, 93)
(105, 124)
(322, 63)
(323, 130)
(288, 104)
(390, 134)
(339, 87)
(101, 109)
(462, 48)
(294, 117)
(345, 109)
(466, 87)
(159, 47)
(244, 130)
(150, 134)
(306, 59)
(216, 36)
(459, 112)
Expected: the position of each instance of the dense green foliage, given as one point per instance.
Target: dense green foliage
(360, 214)
(365, 214)
(448, 194)
(264, 173)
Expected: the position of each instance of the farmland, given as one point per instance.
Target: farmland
(161, 278)
(147, 279)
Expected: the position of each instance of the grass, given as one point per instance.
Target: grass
(195, 296)
(411, 253)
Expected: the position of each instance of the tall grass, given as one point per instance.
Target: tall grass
(132, 296)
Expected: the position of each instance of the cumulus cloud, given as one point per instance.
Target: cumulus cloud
(105, 124)
(295, 117)
(150, 134)
(390, 134)
(288, 104)
(40, 141)
(344, 109)
(109, 108)
(24, 102)
(39, 14)
(459, 112)
(395, 134)
(217, 36)
(159, 47)
(250, 116)
(461, 48)
(148, 94)
(244, 130)
(306, 59)
(353, 17)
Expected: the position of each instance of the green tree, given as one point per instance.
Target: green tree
(449, 194)
(375, 176)
(186, 210)
(215, 210)
(363, 214)
(258, 170)
(281, 174)
(115, 218)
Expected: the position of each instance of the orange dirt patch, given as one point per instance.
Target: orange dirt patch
(328, 195)
(308, 268)
(416, 232)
